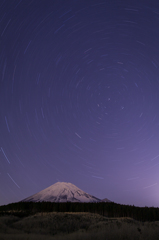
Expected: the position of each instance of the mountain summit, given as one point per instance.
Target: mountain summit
(62, 192)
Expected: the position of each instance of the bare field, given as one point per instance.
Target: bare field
(70, 226)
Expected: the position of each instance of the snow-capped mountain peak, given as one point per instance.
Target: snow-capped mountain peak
(62, 192)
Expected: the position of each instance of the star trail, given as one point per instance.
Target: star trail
(79, 98)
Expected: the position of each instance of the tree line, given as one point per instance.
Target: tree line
(108, 209)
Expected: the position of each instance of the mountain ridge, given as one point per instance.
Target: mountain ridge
(62, 192)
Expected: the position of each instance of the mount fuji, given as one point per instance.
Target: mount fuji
(62, 192)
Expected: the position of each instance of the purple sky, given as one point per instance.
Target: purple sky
(79, 98)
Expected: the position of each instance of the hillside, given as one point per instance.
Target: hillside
(71, 226)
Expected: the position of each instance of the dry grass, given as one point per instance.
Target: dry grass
(75, 226)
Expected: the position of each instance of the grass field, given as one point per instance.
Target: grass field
(75, 226)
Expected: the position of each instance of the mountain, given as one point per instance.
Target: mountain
(62, 192)
(105, 200)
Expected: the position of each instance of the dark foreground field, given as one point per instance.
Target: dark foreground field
(72, 226)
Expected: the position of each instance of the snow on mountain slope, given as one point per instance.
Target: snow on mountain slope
(62, 192)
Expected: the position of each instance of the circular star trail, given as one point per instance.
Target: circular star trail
(79, 98)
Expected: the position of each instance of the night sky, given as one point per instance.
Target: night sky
(79, 98)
